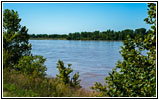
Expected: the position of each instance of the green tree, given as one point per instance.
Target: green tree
(141, 32)
(64, 75)
(135, 76)
(15, 38)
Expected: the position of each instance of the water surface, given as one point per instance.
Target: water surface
(92, 59)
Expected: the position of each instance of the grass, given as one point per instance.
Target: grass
(21, 85)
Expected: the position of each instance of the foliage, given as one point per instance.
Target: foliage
(135, 76)
(13, 91)
(6, 58)
(106, 35)
(11, 21)
(16, 47)
(96, 35)
(31, 65)
(75, 82)
(15, 38)
(19, 85)
(48, 36)
(64, 75)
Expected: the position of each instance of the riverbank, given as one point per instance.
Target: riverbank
(22, 85)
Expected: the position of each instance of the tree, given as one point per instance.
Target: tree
(15, 38)
(141, 32)
(135, 76)
(64, 75)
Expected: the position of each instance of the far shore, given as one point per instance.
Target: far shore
(47, 39)
(68, 40)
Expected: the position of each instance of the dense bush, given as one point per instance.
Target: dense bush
(31, 65)
(135, 76)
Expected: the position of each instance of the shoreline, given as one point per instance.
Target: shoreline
(69, 40)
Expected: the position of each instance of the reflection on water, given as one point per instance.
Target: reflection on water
(92, 59)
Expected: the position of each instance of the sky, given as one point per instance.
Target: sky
(64, 18)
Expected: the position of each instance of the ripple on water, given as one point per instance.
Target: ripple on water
(92, 59)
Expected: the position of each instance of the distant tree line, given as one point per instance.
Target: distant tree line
(96, 35)
(48, 36)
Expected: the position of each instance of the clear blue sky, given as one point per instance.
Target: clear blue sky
(63, 18)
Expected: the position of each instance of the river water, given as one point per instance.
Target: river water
(92, 59)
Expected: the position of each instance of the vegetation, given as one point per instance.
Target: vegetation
(24, 74)
(46, 36)
(31, 65)
(106, 35)
(96, 35)
(15, 39)
(135, 76)
(64, 76)
(17, 84)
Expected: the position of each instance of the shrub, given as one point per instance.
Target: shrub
(64, 75)
(32, 65)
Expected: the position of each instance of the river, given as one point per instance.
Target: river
(92, 59)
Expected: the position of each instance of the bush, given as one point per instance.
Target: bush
(64, 75)
(31, 65)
